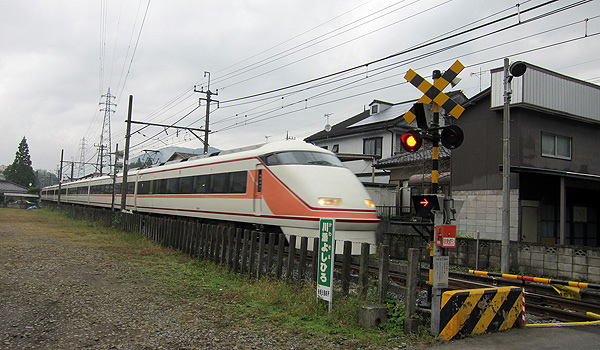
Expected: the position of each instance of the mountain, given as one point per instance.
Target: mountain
(161, 155)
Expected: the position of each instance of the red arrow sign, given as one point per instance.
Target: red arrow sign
(424, 202)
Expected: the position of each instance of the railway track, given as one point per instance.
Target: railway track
(542, 302)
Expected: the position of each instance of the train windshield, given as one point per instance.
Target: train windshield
(301, 157)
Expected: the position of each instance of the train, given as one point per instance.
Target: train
(286, 186)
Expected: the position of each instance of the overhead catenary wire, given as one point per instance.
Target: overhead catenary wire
(333, 90)
(402, 52)
(466, 41)
(515, 54)
(507, 9)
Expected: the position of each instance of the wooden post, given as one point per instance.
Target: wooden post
(384, 263)
(289, 273)
(261, 254)
(203, 240)
(252, 252)
(363, 272)
(230, 247)
(302, 266)
(236, 250)
(410, 299)
(346, 261)
(270, 252)
(245, 238)
(223, 233)
(280, 252)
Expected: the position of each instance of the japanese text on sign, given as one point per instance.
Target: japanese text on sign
(326, 259)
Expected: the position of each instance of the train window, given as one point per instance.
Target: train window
(272, 159)
(186, 184)
(201, 184)
(159, 186)
(130, 187)
(143, 187)
(117, 188)
(172, 185)
(238, 182)
(219, 183)
(303, 158)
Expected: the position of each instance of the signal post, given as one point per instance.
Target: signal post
(436, 207)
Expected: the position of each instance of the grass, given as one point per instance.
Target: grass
(292, 305)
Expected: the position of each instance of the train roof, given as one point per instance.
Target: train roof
(240, 152)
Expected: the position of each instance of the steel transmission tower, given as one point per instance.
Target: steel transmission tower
(81, 165)
(104, 148)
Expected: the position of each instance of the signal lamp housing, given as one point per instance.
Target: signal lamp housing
(452, 136)
(411, 141)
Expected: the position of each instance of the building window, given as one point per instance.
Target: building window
(372, 146)
(556, 146)
(374, 109)
(335, 148)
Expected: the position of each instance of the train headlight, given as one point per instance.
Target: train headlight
(330, 202)
(369, 203)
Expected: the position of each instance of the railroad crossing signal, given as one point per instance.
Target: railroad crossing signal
(425, 204)
(433, 92)
(411, 141)
(452, 136)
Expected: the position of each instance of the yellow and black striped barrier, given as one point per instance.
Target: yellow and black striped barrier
(566, 289)
(476, 311)
(537, 279)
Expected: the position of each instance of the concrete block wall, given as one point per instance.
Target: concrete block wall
(573, 263)
(482, 211)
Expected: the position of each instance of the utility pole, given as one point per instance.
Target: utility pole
(505, 246)
(62, 152)
(515, 70)
(114, 176)
(126, 156)
(208, 101)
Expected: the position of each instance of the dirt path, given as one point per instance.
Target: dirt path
(58, 293)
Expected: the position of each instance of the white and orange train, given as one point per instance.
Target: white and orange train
(287, 185)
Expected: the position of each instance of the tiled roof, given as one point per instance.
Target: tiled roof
(7, 186)
(410, 157)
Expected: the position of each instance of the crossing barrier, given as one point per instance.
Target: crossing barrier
(476, 311)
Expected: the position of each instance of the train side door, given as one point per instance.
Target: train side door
(258, 183)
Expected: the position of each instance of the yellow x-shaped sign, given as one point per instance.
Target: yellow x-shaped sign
(433, 92)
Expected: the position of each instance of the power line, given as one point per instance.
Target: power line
(338, 89)
(427, 54)
(134, 51)
(258, 119)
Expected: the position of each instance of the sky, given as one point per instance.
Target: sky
(278, 68)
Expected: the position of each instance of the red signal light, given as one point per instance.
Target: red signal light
(411, 141)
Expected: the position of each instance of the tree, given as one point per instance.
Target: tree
(20, 171)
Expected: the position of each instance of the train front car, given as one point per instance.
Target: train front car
(300, 183)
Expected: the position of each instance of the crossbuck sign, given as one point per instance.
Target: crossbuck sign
(326, 260)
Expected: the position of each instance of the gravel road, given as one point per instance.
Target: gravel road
(59, 294)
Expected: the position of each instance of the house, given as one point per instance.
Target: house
(10, 187)
(554, 171)
(11, 192)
